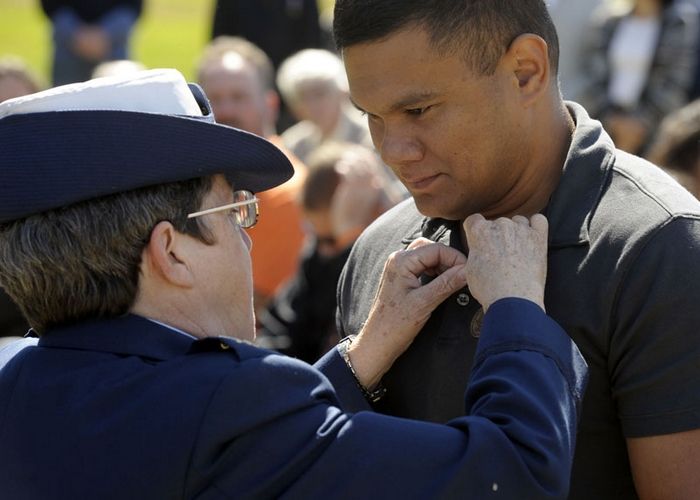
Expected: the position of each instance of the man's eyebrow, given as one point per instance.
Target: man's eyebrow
(406, 102)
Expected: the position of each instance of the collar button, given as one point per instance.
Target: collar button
(463, 299)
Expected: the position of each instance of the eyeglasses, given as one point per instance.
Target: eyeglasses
(244, 208)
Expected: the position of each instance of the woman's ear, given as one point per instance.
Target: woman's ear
(168, 256)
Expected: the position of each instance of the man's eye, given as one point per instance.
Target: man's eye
(417, 111)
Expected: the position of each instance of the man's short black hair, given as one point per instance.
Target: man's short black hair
(482, 30)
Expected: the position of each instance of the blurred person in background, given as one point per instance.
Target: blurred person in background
(16, 78)
(88, 32)
(279, 27)
(677, 146)
(639, 64)
(314, 85)
(238, 78)
(567, 16)
(345, 190)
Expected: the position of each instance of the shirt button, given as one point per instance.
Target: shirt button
(463, 299)
(224, 346)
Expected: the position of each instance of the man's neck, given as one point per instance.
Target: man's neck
(532, 192)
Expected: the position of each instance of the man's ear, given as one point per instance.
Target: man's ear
(167, 256)
(528, 60)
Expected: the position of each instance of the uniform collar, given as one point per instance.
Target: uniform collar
(126, 335)
(584, 178)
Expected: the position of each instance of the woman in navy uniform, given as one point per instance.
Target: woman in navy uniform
(122, 215)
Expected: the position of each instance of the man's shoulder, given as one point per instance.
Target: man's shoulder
(643, 210)
(649, 196)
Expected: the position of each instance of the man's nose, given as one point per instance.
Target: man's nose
(397, 147)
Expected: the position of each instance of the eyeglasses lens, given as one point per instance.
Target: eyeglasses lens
(246, 215)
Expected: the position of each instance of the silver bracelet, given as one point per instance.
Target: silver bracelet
(371, 396)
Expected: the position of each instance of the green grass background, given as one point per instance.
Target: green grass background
(170, 33)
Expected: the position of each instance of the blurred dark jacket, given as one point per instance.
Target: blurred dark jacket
(89, 11)
(300, 321)
(279, 27)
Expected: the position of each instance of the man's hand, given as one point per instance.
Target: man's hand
(507, 258)
(403, 305)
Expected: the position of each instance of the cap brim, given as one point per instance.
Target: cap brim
(53, 159)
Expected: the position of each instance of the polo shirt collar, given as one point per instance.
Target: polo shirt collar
(125, 335)
(584, 178)
(432, 229)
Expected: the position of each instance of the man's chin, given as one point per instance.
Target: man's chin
(435, 212)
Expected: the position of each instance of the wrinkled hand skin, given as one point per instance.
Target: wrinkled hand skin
(403, 305)
(401, 297)
(507, 258)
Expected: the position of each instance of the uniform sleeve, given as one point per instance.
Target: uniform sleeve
(333, 366)
(655, 346)
(285, 435)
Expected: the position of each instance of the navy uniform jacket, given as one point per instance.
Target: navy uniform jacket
(127, 409)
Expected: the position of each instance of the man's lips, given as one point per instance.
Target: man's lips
(418, 183)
